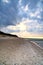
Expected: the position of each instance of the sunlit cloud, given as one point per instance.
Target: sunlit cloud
(28, 25)
(21, 27)
(28, 34)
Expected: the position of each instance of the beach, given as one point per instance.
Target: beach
(19, 51)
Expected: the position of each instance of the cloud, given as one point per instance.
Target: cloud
(27, 25)
(33, 26)
(25, 9)
(26, 28)
(6, 1)
(19, 27)
(22, 10)
(28, 35)
(9, 13)
(35, 14)
(12, 13)
(21, 16)
(20, 2)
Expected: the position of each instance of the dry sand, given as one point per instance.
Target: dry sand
(18, 51)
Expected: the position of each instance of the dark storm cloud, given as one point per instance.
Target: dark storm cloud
(8, 13)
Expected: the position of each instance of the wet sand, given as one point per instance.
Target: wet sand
(18, 51)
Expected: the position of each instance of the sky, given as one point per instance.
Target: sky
(22, 17)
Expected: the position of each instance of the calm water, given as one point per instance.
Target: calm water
(40, 43)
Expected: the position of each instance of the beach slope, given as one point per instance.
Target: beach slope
(19, 51)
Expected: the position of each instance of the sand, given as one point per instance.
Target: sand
(18, 51)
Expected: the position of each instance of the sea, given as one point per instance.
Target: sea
(40, 43)
(37, 41)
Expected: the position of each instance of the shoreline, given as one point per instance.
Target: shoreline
(36, 44)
